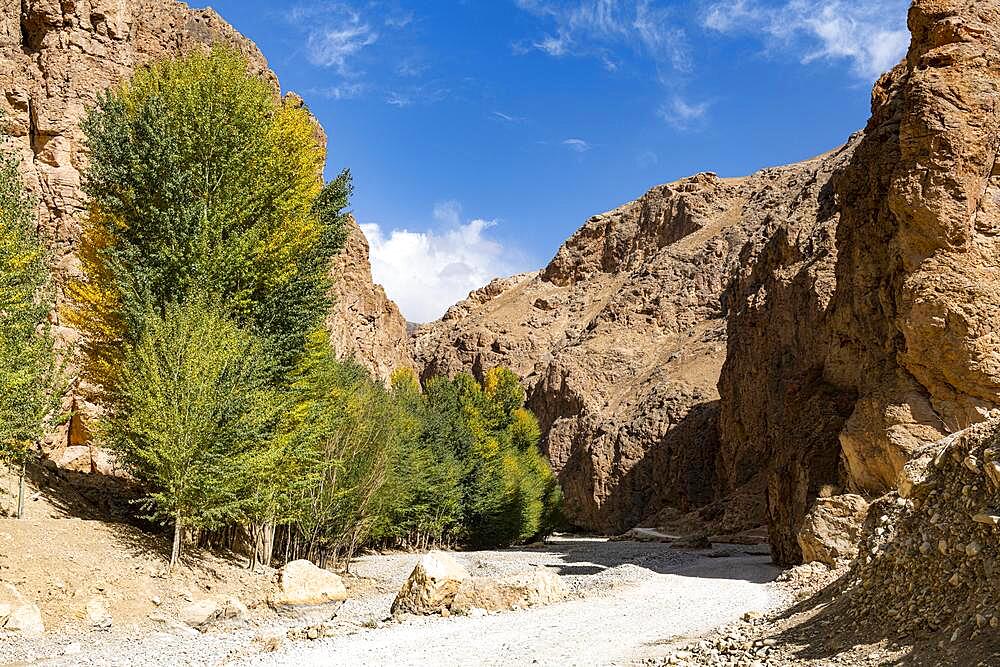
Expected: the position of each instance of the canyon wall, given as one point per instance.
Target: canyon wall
(847, 307)
(56, 57)
(884, 338)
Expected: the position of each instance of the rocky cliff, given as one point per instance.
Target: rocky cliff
(365, 324)
(874, 333)
(847, 308)
(56, 56)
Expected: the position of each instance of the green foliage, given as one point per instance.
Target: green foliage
(205, 257)
(200, 179)
(193, 413)
(511, 494)
(27, 368)
(458, 463)
(340, 430)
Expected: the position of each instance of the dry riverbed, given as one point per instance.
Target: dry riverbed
(628, 601)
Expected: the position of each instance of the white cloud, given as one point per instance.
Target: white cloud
(345, 90)
(398, 99)
(623, 35)
(335, 34)
(870, 34)
(427, 272)
(578, 145)
(506, 117)
(589, 27)
(683, 114)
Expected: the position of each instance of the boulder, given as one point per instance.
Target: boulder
(517, 592)
(200, 613)
(831, 529)
(431, 586)
(18, 614)
(302, 583)
(308, 593)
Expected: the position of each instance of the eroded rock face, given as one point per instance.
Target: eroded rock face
(885, 309)
(365, 324)
(622, 337)
(56, 57)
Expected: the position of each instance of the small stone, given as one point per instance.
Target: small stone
(943, 547)
(312, 633)
(955, 580)
(97, 613)
(988, 518)
(973, 549)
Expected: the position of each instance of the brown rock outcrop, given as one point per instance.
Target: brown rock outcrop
(56, 57)
(832, 528)
(365, 324)
(929, 561)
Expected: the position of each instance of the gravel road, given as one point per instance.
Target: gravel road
(627, 601)
(628, 598)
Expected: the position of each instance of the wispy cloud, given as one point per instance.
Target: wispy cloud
(366, 45)
(870, 34)
(683, 114)
(426, 272)
(506, 118)
(592, 27)
(578, 145)
(623, 35)
(336, 33)
(417, 94)
(343, 91)
(399, 20)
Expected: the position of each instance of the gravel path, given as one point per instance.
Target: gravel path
(627, 598)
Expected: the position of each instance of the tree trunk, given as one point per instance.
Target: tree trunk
(20, 491)
(267, 548)
(175, 554)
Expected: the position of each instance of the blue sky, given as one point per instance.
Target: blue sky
(482, 133)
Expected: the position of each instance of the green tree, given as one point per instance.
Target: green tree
(28, 395)
(193, 412)
(509, 493)
(424, 492)
(341, 430)
(201, 179)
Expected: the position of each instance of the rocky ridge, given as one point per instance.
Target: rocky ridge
(56, 57)
(888, 306)
(622, 339)
(929, 552)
